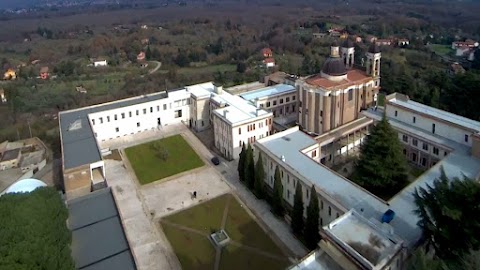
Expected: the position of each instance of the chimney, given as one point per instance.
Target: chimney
(257, 106)
(218, 89)
(283, 158)
(225, 113)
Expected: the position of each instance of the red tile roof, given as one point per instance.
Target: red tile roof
(354, 76)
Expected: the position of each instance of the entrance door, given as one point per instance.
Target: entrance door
(159, 122)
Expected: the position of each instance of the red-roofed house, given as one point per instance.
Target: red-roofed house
(269, 62)
(141, 57)
(44, 73)
(267, 52)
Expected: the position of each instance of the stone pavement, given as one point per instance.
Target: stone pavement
(165, 198)
(141, 207)
(150, 247)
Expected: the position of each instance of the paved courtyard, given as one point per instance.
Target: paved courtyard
(142, 206)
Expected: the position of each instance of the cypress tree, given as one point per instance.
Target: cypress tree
(382, 167)
(241, 164)
(249, 168)
(277, 200)
(148, 53)
(297, 213)
(311, 234)
(259, 177)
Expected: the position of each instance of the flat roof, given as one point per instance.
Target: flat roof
(10, 154)
(289, 144)
(456, 164)
(98, 238)
(268, 92)
(79, 143)
(317, 260)
(364, 238)
(436, 113)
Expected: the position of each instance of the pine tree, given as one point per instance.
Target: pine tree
(249, 168)
(148, 53)
(297, 213)
(447, 211)
(311, 233)
(259, 177)
(277, 200)
(382, 167)
(241, 164)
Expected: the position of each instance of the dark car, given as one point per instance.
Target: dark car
(215, 160)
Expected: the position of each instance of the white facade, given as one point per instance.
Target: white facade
(129, 120)
(102, 63)
(230, 138)
(431, 124)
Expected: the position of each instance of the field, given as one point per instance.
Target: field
(249, 248)
(442, 50)
(162, 158)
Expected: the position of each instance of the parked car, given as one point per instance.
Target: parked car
(215, 160)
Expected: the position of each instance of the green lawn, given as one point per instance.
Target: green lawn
(207, 69)
(439, 49)
(149, 165)
(248, 241)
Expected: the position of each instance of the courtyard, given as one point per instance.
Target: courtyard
(249, 246)
(162, 158)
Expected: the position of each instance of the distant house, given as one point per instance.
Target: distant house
(357, 39)
(383, 42)
(3, 98)
(267, 52)
(10, 74)
(269, 62)
(81, 89)
(141, 57)
(465, 48)
(455, 69)
(403, 42)
(44, 73)
(100, 63)
(144, 26)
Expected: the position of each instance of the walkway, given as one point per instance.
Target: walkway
(261, 209)
(150, 247)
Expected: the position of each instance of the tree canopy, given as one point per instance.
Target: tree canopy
(297, 213)
(241, 164)
(249, 168)
(448, 211)
(277, 197)
(382, 165)
(259, 177)
(311, 233)
(33, 230)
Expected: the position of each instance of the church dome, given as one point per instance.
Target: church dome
(334, 66)
(374, 48)
(25, 185)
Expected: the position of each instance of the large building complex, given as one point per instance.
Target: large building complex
(235, 121)
(432, 138)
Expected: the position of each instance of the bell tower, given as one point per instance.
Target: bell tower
(373, 63)
(348, 53)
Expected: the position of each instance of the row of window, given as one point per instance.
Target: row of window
(414, 120)
(425, 146)
(287, 99)
(144, 111)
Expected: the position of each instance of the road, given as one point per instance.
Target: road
(159, 64)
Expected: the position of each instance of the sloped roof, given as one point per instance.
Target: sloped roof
(98, 238)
